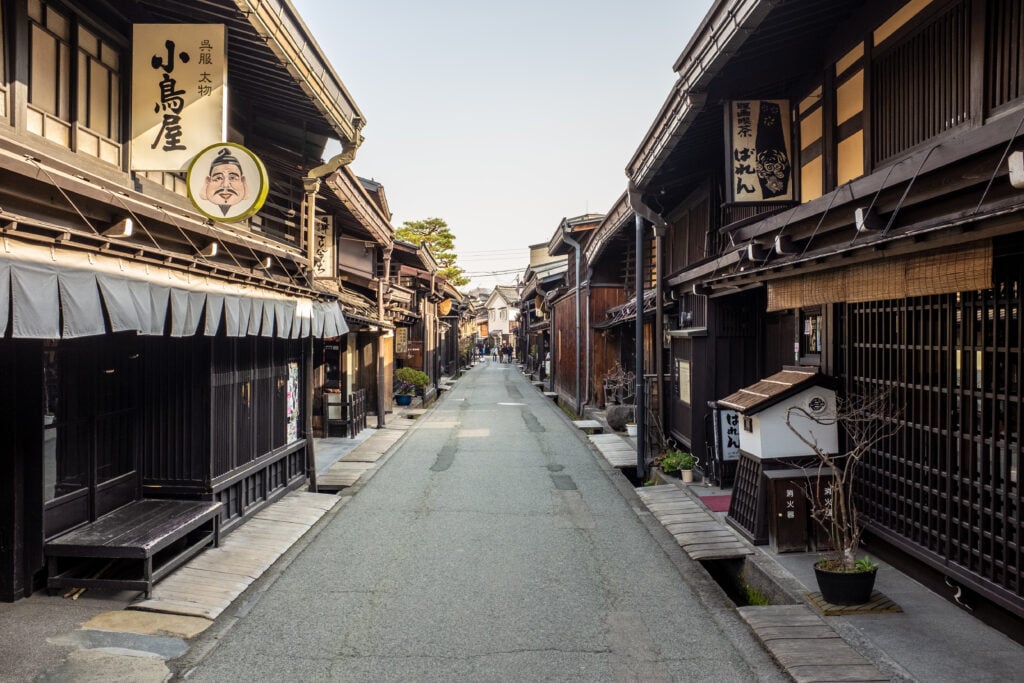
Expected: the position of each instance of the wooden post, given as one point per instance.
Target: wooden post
(307, 409)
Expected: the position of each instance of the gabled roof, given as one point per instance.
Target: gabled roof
(575, 228)
(508, 293)
(417, 256)
(734, 52)
(615, 220)
(376, 191)
(367, 214)
(771, 390)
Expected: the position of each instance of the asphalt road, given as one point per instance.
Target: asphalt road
(493, 545)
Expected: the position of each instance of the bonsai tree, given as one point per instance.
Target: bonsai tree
(410, 381)
(866, 421)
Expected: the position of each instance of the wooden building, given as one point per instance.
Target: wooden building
(358, 366)
(837, 178)
(147, 350)
(575, 307)
(542, 279)
(413, 296)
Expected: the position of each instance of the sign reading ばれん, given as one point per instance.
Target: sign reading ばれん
(178, 94)
(760, 151)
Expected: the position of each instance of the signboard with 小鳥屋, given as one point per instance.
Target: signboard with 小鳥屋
(179, 73)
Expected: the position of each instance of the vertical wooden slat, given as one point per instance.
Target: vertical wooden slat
(1015, 500)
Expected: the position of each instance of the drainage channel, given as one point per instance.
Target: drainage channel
(745, 583)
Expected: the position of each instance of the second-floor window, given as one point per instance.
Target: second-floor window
(74, 89)
(921, 85)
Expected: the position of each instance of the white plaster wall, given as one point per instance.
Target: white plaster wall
(772, 438)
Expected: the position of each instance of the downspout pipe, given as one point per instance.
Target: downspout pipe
(659, 322)
(639, 408)
(311, 186)
(382, 285)
(643, 214)
(579, 352)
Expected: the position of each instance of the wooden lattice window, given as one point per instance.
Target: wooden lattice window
(74, 90)
(946, 486)
(1004, 52)
(921, 84)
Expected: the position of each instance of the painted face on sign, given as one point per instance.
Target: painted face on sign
(225, 186)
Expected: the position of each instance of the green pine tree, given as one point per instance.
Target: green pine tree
(438, 238)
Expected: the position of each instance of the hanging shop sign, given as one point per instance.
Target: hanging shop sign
(227, 182)
(325, 260)
(179, 73)
(760, 151)
(401, 340)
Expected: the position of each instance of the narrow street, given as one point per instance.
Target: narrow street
(491, 545)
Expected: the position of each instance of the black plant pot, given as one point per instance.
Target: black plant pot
(845, 588)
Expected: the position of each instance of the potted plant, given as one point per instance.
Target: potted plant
(843, 578)
(631, 429)
(408, 382)
(679, 461)
(404, 392)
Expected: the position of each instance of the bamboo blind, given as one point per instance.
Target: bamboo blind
(943, 273)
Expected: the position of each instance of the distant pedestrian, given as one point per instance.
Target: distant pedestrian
(494, 353)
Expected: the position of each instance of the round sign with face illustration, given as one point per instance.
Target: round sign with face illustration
(227, 182)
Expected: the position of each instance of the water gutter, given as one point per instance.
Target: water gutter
(566, 231)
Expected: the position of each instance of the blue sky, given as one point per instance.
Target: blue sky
(501, 118)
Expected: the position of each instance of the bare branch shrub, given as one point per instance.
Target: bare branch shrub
(867, 421)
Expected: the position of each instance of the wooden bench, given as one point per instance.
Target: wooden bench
(142, 543)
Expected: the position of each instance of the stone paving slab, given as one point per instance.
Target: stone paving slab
(613, 448)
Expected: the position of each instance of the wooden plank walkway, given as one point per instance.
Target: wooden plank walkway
(806, 646)
(615, 449)
(700, 534)
(363, 459)
(209, 583)
(342, 474)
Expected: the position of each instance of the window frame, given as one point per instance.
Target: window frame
(67, 122)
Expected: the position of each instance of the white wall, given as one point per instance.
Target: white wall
(772, 438)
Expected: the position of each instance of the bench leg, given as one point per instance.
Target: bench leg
(149, 577)
(51, 570)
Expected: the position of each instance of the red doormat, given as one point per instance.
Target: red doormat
(717, 503)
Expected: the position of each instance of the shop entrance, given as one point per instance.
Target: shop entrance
(90, 429)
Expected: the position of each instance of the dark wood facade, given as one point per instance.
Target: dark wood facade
(907, 112)
(132, 366)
